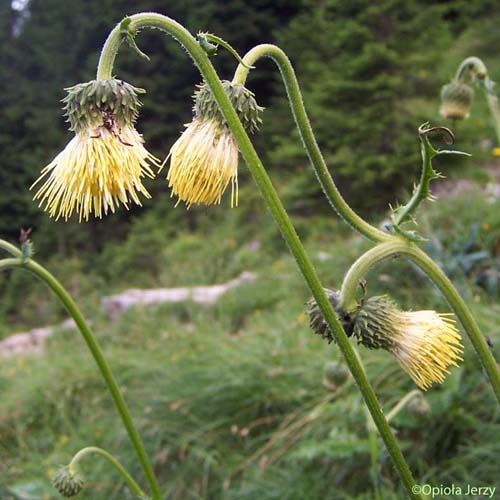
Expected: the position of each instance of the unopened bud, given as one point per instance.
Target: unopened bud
(318, 323)
(456, 99)
(67, 482)
(335, 373)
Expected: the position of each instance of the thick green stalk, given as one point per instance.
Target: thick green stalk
(98, 355)
(371, 428)
(113, 461)
(398, 246)
(306, 133)
(275, 206)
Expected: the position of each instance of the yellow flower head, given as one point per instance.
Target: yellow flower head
(104, 164)
(425, 343)
(204, 160)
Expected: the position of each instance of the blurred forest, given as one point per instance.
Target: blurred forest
(367, 70)
(230, 399)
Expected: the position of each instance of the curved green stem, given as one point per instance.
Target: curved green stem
(113, 461)
(10, 248)
(219, 41)
(349, 290)
(471, 64)
(307, 135)
(98, 355)
(398, 246)
(275, 206)
(9, 263)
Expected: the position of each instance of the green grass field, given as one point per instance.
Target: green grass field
(230, 399)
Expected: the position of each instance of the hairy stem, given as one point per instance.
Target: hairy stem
(113, 461)
(398, 246)
(306, 133)
(422, 191)
(276, 208)
(98, 355)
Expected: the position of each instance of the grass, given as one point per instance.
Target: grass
(230, 399)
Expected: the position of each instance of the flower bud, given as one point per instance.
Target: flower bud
(335, 373)
(67, 482)
(317, 321)
(456, 99)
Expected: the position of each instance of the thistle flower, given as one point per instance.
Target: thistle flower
(204, 160)
(68, 482)
(104, 164)
(456, 99)
(425, 343)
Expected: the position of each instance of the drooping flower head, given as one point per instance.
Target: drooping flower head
(106, 161)
(425, 343)
(204, 160)
(68, 482)
(456, 99)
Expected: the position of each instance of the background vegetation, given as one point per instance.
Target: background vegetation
(230, 399)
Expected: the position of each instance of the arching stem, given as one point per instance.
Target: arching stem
(398, 246)
(135, 488)
(306, 133)
(276, 208)
(99, 358)
(473, 65)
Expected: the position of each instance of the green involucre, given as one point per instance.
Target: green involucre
(241, 98)
(67, 482)
(317, 321)
(86, 102)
